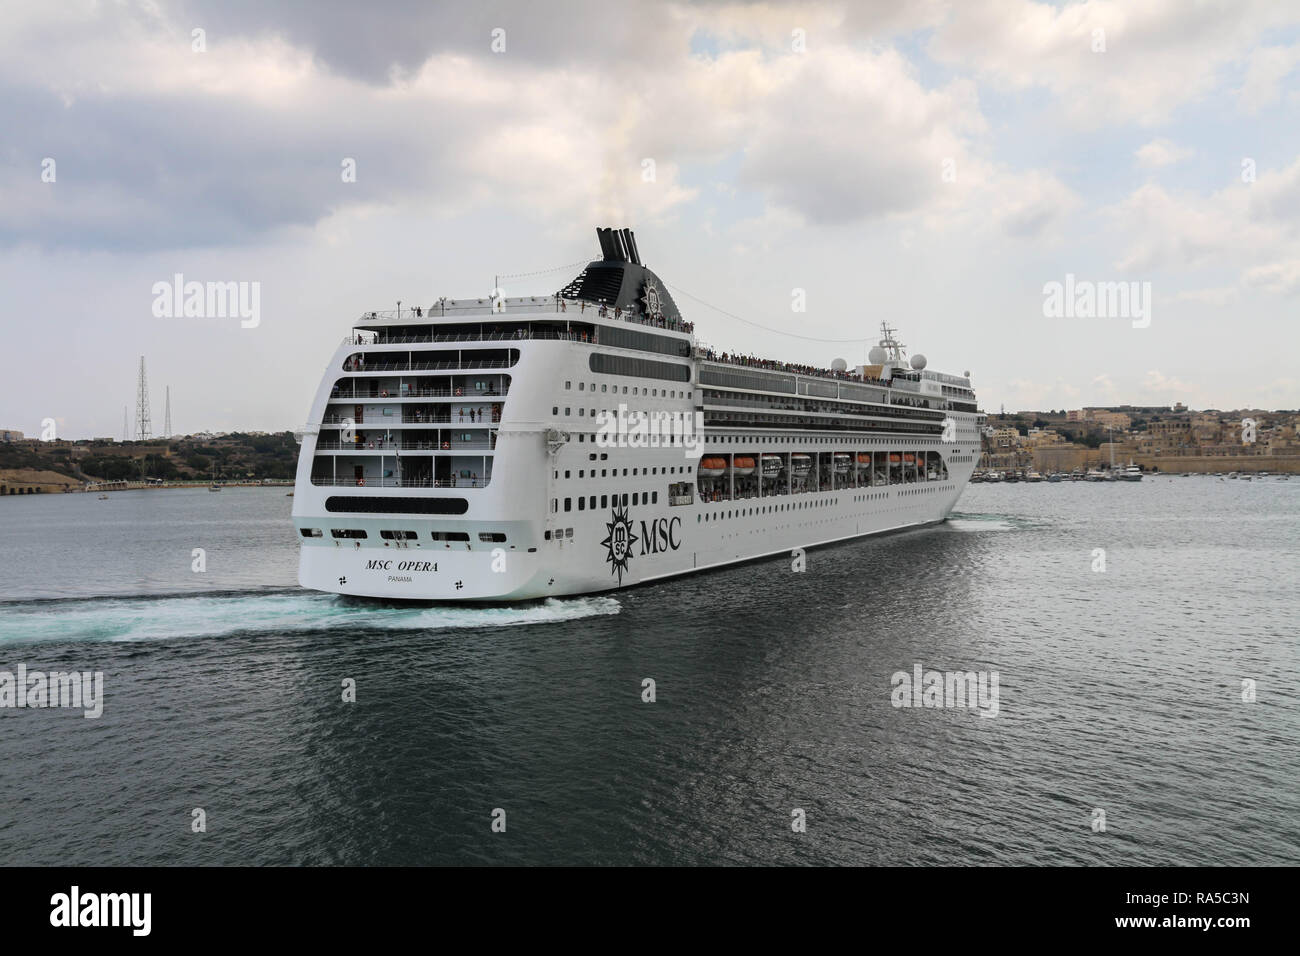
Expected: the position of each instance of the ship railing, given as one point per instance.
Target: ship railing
(417, 393)
(402, 482)
(526, 305)
(369, 447)
(430, 366)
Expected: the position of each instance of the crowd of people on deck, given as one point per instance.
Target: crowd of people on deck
(772, 365)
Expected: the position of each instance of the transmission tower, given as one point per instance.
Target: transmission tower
(167, 420)
(142, 424)
(125, 434)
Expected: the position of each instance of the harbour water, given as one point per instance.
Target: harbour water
(1120, 690)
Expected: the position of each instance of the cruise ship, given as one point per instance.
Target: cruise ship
(510, 449)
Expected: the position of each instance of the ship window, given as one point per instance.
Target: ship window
(555, 409)
(581, 436)
(636, 498)
(591, 457)
(592, 504)
(348, 533)
(604, 501)
(654, 497)
(582, 504)
(580, 386)
(398, 535)
(568, 385)
(450, 536)
(624, 389)
(568, 410)
(604, 387)
(310, 532)
(547, 536)
(582, 412)
(624, 505)
(604, 456)
(568, 532)
(568, 504)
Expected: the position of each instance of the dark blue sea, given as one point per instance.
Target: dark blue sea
(1126, 690)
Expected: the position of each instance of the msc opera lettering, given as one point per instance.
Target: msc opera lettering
(377, 565)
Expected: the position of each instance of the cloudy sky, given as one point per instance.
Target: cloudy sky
(933, 164)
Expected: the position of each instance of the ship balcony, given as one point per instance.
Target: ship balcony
(424, 482)
(503, 309)
(373, 447)
(458, 468)
(361, 363)
(399, 393)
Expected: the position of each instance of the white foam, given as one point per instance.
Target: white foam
(208, 615)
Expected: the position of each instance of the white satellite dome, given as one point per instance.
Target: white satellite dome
(839, 365)
(918, 361)
(877, 356)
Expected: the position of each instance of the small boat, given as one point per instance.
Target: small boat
(711, 467)
(1095, 474)
(800, 465)
(842, 463)
(742, 465)
(103, 497)
(1033, 476)
(1131, 473)
(1233, 475)
(214, 487)
(772, 465)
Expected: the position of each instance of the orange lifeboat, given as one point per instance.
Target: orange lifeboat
(711, 467)
(909, 458)
(864, 458)
(743, 465)
(895, 458)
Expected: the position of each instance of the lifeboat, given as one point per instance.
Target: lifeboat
(909, 459)
(801, 465)
(895, 458)
(841, 463)
(711, 467)
(742, 465)
(772, 465)
(864, 461)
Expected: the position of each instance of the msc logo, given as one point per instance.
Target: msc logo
(619, 542)
(658, 535)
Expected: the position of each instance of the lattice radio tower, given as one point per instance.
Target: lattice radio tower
(167, 419)
(142, 424)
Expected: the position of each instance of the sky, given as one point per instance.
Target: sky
(934, 165)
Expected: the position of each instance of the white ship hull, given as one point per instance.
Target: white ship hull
(451, 470)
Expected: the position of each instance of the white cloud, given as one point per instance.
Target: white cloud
(1159, 54)
(1162, 152)
(1267, 68)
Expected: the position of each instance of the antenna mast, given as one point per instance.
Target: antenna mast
(142, 423)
